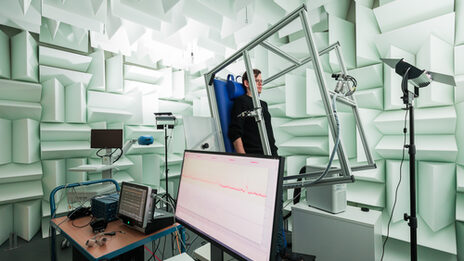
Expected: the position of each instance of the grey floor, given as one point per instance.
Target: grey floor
(38, 248)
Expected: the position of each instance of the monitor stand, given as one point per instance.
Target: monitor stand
(216, 253)
(162, 219)
(106, 160)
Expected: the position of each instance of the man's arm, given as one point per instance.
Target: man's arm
(236, 127)
(238, 146)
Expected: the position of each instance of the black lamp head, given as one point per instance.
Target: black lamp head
(418, 78)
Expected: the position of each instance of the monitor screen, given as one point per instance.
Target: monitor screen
(100, 139)
(132, 203)
(231, 199)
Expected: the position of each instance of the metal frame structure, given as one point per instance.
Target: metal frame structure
(300, 13)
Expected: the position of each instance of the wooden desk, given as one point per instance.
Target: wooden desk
(116, 245)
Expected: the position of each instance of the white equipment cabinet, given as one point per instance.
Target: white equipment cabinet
(351, 235)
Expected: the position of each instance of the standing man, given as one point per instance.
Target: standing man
(243, 131)
(244, 134)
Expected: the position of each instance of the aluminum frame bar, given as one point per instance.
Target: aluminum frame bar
(325, 181)
(331, 171)
(280, 53)
(259, 39)
(300, 13)
(257, 104)
(304, 61)
(345, 166)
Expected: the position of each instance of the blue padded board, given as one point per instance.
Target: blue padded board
(225, 92)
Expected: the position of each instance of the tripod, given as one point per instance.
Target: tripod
(165, 120)
(167, 196)
(420, 79)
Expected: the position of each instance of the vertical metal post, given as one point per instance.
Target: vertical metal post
(13, 241)
(107, 174)
(53, 243)
(182, 237)
(166, 166)
(344, 164)
(412, 186)
(216, 253)
(256, 103)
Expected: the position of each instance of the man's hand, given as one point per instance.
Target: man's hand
(238, 146)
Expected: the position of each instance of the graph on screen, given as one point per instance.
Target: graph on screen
(230, 198)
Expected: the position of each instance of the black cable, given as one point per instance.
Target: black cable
(72, 223)
(120, 154)
(111, 154)
(152, 250)
(191, 243)
(97, 153)
(157, 246)
(405, 130)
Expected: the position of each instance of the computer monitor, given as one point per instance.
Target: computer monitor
(232, 200)
(135, 203)
(106, 139)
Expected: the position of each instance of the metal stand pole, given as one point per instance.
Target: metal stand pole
(408, 98)
(106, 160)
(412, 186)
(216, 253)
(13, 241)
(167, 196)
(166, 163)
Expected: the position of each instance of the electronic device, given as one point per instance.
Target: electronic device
(105, 139)
(232, 200)
(135, 203)
(165, 119)
(135, 209)
(79, 212)
(330, 198)
(98, 225)
(105, 206)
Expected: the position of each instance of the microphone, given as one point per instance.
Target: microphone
(342, 86)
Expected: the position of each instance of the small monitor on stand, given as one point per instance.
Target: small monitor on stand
(107, 140)
(232, 200)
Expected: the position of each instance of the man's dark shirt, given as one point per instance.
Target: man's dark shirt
(247, 128)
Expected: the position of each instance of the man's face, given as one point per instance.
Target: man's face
(259, 84)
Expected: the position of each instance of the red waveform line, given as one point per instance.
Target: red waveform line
(226, 186)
